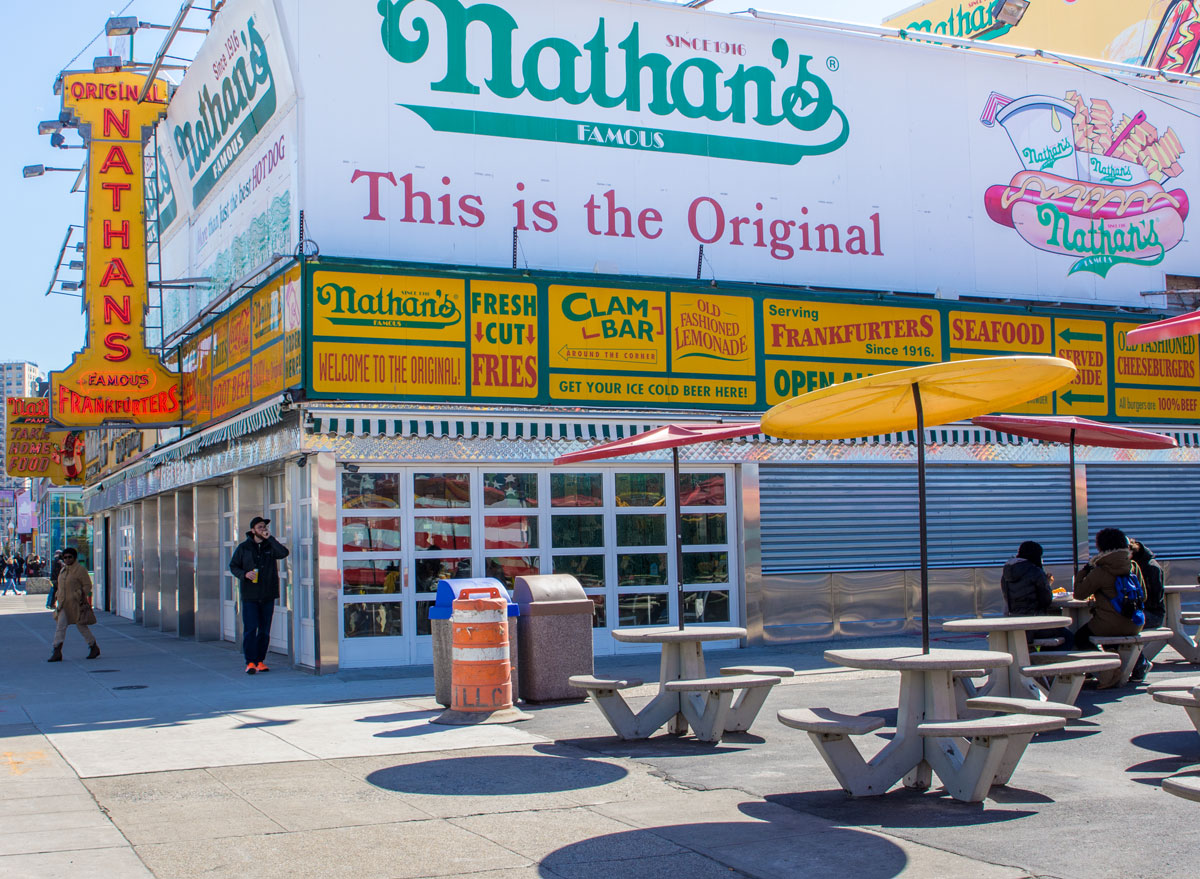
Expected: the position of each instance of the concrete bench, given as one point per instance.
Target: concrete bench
(747, 705)
(995, 749)
(1066, 677)
(1188, 701)
(1046, 642)
(1170, 686)
(1129, 648)
(605, 692)
(1043, 656)
(708, 703)
(1189, 618)
(1012, 705)
(830, 732)
(1186, 786)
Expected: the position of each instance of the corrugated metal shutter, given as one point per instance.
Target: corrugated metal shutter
(864, 517)
(1156, 504)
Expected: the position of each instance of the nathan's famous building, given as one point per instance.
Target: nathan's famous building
(445, 242)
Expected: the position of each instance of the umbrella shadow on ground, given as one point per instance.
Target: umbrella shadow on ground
(903, 807)
(497, 775)
(1183, 742)
(707, 850)
(396, 717)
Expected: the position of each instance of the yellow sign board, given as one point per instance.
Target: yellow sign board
(114, 378)
(34, 451)
(607, 328)
(398, 307)
(1171, 362)
(1084, 343)
(1158, 33)
(697, 392)
(713, 334)
(345, 368)
(504, 331)
(864, 332)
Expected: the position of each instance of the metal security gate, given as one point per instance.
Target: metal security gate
(861, 517)
(1157, 504)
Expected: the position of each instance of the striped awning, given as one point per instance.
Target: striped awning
(246, 423)
(472, 428)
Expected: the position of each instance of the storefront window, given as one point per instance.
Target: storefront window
(648, 569)
(641, 489)
(371, 577)
(599, 611)
(510, 490)
(429, 571)
(576, 490)
(576, 532)
(370, 491)
(704, 528)
(441, 490)
(706, 567)
(73, 506)
(587, 569)
(506, 570)
(442, 533)
(374, 620)
(370, 534)
(641, 530)
(510, 532)
(651, 609)
(706, 607)
(702, 489)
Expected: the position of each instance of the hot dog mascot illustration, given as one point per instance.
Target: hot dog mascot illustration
(1092, 186)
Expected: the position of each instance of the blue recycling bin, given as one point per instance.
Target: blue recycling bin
(439, 622)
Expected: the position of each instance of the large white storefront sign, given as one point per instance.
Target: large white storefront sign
(622, 136)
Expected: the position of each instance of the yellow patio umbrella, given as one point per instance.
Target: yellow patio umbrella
(913, 399)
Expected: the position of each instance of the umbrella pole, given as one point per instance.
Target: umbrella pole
(916, 389)
(678, 538)
(1074, 517)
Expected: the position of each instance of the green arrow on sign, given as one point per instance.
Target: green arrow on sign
(1069, 337)
(1071, 398)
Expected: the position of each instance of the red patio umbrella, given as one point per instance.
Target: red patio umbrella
(1075, 431)
(1168, 328)
(672, 436)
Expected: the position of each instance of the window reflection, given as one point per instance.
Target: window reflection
(576, 490)
(441, 534)
(510, 490)
(429, 571)
(641, 489)
(706, 567)
(374, 620)
(371, 577)
(510, 532)
(506, 570)
(702, 489)
(370, 491)
(641, 530)
(424, 627)
(576, 531)
(370, 534)
(599, 612)
(646, 569)
(441, 490)
(706, 607)
(587, 569)
(702, 528)
(652, 609)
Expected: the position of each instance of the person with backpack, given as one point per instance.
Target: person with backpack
(1113, 584)
(1154, 579)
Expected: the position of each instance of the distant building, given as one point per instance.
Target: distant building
(20, 379)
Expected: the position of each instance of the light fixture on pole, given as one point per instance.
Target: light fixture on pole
(107, 64)
(39, 170)
(50, 126)
(1009, 12)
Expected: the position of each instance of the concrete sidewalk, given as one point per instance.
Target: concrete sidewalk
(162, 758)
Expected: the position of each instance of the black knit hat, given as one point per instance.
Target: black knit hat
(1031, 551)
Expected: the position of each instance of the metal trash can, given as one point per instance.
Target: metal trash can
(555, 623)
(439, 622)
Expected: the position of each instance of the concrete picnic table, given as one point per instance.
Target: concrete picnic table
(1007, 635)
(926, 694)
(1080, 609)
(1185, 645)
(682, 660)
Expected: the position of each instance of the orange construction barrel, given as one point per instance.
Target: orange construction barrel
(481, 684)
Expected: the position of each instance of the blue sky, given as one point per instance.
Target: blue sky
(43, 40)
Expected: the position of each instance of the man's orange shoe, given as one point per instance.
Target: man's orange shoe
(251, 668)
(262, 666)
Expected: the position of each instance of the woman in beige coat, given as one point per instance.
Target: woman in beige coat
(71, 602)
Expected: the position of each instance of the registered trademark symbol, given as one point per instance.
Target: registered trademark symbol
(832, 63)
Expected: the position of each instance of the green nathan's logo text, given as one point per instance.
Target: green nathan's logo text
(418, 310)
(698, 88)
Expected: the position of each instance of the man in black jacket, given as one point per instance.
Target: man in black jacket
(254, 565)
